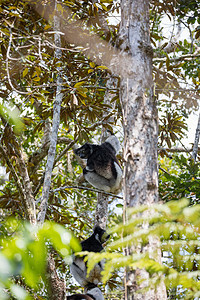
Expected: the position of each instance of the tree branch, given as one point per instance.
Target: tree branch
(176, 59)
(101, 213)
(56, 287)
(71, 144)
(15, 176)
(7, 67)
(84, 188)
(55, 126)
(39, 155)
(24, 189)
(30, 201)
(175, 150)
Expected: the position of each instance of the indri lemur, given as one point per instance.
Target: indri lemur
(79, 267)
(102, 170)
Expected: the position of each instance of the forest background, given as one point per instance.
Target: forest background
(57, 84)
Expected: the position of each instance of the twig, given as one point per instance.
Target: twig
(174, 150)
(40, 154)
(164, 170)
(15, 176)
(39, 185)
(65, 150)
(84, 188)
(7, 66)
(176, 59)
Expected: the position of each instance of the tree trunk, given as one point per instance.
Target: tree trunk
(55, 124)
(101, 214)
(140, 126)
(56, 286)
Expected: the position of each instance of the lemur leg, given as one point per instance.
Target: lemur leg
(79, 271)
(98, 181)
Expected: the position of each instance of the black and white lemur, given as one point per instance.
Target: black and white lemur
(102, 170)
(78, 267)
(93, 293)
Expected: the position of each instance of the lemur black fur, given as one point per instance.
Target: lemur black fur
(102, 170)
(79, 267)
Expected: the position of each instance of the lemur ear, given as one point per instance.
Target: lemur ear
(89, 147)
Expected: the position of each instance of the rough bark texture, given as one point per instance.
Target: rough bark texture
(23, 181)
(56, 286)
(29, 198)
(102, 199)
(101, 210)
(196, 141)
(140, 126)
(101, 213)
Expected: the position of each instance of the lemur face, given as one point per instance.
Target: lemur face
(100, 234)
(84, 151)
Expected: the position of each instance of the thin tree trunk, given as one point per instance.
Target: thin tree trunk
(56, 286)
(101, 214)
(196, 141)
(140, 128)
(55, 126)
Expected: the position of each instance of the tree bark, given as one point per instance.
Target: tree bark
(140, 127)
(56, 286)
(55, 125)
(101, 214)
(196, 141)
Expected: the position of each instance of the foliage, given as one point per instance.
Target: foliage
(172, 128)
(28, 86)
(24, 255)
(183, 181)
(176, 226)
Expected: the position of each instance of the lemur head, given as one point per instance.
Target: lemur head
(84, 151)
(100, 234)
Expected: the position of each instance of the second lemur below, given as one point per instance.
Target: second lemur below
(102, 170)
(78, 267)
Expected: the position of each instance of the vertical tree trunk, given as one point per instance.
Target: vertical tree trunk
(101, 214)
(140, 125)
(55, 124)
(56, 286)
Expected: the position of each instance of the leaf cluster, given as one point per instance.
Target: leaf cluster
(181, 181)
(176, 226)
(24, 255)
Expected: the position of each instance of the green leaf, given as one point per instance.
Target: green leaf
(102, 67)
(80, 83)
(92, 65)
(25, 72)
